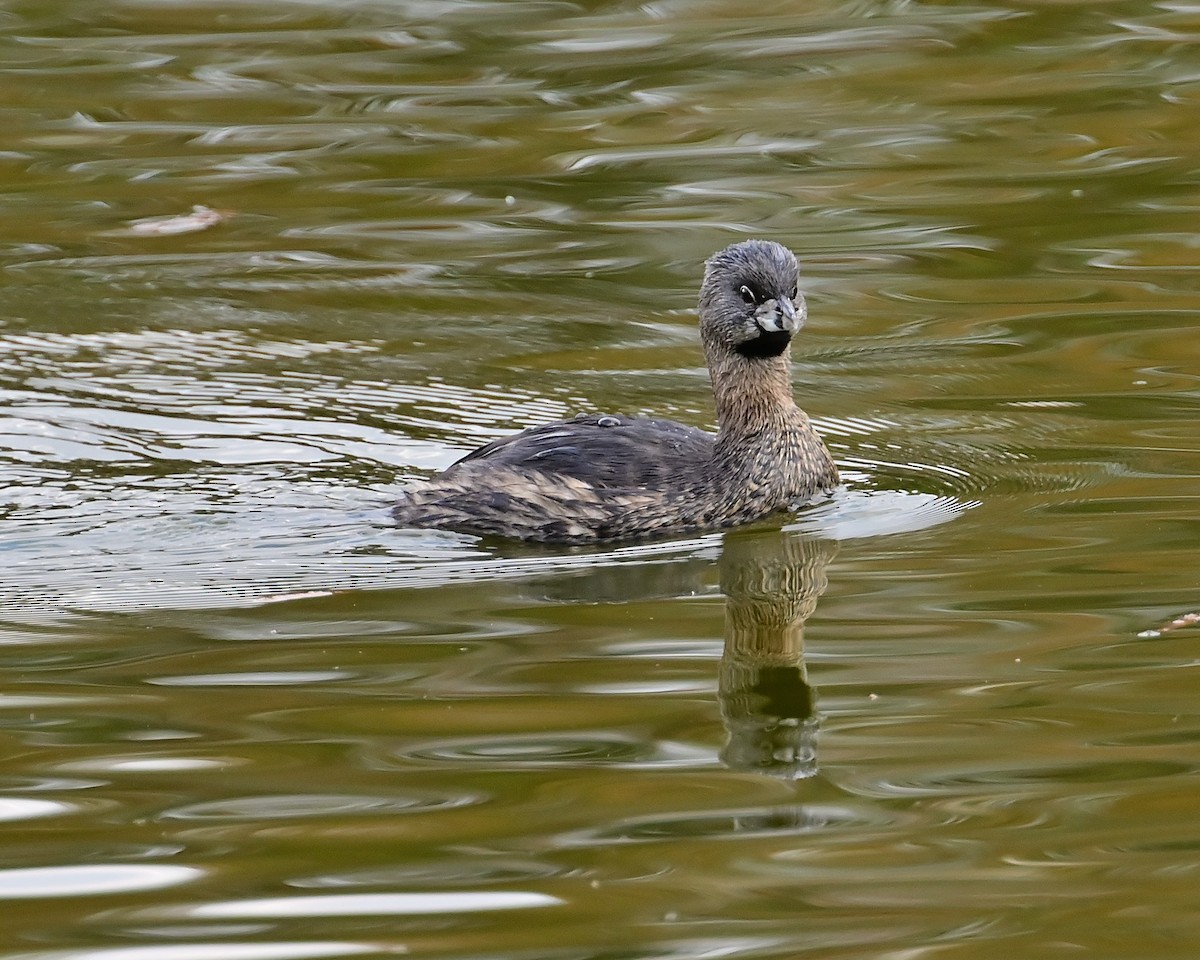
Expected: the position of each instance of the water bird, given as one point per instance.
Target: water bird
(604, 477)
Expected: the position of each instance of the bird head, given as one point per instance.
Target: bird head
(749, 301)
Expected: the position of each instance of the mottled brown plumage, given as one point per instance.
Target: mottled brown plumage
(607, 477)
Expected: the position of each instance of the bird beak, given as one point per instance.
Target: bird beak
(790, 320)
(778, 316)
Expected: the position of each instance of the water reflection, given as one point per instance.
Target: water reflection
(771, 583)
(771, 580)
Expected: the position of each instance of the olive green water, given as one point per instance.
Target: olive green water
(946, 714)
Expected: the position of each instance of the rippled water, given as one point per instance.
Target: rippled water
(265, 262)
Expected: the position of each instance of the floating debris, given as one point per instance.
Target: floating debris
(201, 218)
(1187, 620)
(299, 595)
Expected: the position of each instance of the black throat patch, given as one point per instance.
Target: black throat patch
(767, 344)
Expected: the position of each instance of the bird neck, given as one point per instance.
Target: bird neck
(753, 397)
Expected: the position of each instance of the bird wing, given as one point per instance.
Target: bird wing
(605, 450)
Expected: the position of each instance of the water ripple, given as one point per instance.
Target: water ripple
(88, 880)
(562, 751)
(294, 806)
(26, 808)
(164, 949)
(751, 822)
(362, 905)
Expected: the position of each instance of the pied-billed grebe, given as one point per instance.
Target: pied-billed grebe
(607, 477)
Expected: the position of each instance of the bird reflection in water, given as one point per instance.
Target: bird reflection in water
(771, 581)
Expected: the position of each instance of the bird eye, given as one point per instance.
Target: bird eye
(792, 295)
(748, 295)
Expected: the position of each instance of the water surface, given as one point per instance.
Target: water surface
(950, 712)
